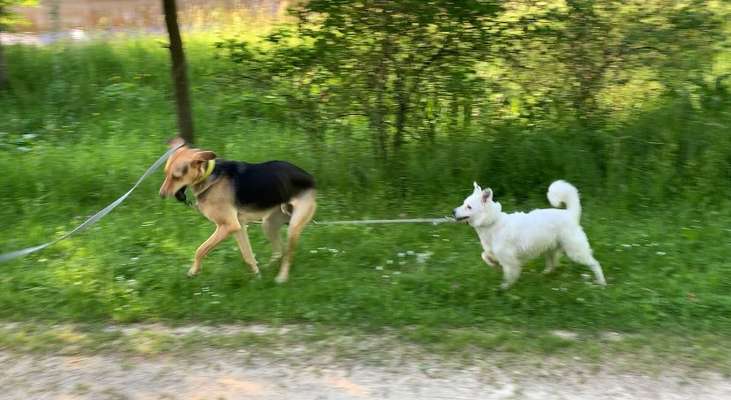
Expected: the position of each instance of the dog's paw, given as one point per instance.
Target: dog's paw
(280, 279)
(192, 272)
(504, 286)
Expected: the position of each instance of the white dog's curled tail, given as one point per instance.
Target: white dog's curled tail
(562, 192)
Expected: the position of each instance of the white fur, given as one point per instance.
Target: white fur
(513, 239)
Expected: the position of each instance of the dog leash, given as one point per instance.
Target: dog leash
(433, 221)
(94, 218)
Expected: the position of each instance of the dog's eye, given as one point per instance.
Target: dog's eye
(469, 207)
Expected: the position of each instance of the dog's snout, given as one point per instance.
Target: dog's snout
(454, 213)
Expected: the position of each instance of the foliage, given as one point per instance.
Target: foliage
(601, 54)
(8, 18)
(414, 69)
(389, 62)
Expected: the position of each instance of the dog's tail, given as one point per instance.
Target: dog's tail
(562, 192)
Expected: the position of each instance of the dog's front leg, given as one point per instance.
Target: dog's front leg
(511, 270)
(242, 238)
(489, 259)
(222, 231)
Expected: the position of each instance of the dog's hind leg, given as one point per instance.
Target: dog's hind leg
(596, 268)
(577, 249)
(304, 209)
(242, 238)
(552, 258)
(271, 225)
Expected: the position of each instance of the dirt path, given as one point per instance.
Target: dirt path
(239, 375)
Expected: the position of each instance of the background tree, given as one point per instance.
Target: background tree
(398, 64)
(407, 72)
(600, 56)
(179, 72)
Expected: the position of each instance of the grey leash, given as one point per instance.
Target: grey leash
(94, 218)
(433, 221)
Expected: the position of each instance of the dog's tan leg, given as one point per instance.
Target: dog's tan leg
(222, 231)
(242, 238)
(304, 209)
(271, 225)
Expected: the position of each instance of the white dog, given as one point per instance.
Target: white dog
(513, 239)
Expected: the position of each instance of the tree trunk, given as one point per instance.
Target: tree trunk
(467, 112)
(4, 83)
(179, 72)
(402, 107)
(377, 109)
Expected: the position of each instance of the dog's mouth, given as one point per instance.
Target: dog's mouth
(460, 219)
(180, 194)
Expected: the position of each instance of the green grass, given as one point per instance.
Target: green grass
(131, 267)
(665, 257)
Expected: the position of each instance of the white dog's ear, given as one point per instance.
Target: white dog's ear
(486, 195)
(477, 187)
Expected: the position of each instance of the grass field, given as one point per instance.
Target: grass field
(71, 146)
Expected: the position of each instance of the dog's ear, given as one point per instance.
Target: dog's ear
(486, 195)
(176, 142)
(204, 155)
(477, 187)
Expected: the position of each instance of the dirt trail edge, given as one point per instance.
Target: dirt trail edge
(217, 374)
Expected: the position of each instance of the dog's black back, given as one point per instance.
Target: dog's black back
(264, 185)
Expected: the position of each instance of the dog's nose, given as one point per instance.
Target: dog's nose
(454, 213)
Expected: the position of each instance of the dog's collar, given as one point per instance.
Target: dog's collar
(207, 173)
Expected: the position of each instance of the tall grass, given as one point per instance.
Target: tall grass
(68, 94)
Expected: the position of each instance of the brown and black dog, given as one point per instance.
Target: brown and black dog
(231, 194)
